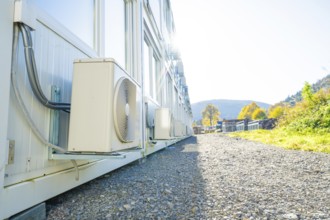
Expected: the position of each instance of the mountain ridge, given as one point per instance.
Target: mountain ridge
(321, 83)
(229, 109)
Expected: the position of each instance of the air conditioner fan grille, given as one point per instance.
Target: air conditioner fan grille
(124, 109)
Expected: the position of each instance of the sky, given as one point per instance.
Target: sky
(260, 50)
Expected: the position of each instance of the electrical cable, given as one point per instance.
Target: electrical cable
(20, 101)
(33, 74)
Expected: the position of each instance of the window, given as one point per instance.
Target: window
(151, 66)
(77, 16)
(129, 37)
(146, 68)
(167, 16)
(175, 102)
(153, 77)
(121, 33)
(170, 93)
(155, 8)
(159, 84)
(115, 18)
(166, 91)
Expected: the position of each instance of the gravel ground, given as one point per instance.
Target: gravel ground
(207, 177)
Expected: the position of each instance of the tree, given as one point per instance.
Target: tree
(307, 94)
(276, 111)
(247, 111)
(259, 114)
(211, 115)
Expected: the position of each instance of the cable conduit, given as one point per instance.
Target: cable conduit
(20, 101)
(33, 74)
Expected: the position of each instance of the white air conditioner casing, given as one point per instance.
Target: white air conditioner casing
(178, 128)
(150, 107)
(162, 124)
(104, 107)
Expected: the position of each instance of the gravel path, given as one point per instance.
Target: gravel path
(207, 177)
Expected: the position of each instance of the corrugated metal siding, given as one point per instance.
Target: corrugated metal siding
(54, 59)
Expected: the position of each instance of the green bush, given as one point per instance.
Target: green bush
(312, 115)
(306, 126)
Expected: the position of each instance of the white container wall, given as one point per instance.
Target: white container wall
(134, 34)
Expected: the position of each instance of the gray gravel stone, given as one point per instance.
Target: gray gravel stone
(207, 177)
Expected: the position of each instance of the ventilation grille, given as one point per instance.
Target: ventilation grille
(125, 109)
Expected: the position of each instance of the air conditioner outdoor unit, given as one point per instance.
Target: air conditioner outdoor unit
(183, 129)
(177, 128)
(150, 112)
(172, 126)
(162, 124)
(104, 108)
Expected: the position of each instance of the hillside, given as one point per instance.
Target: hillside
(229, 108)
(322, 83)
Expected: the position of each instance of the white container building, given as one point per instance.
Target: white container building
(86, 87)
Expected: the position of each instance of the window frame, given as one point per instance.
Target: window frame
(154, 67)
(62, 29)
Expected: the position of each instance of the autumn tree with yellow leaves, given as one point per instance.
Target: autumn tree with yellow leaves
(252, 112)
(259, 114)
(211, 115)
(276, 111)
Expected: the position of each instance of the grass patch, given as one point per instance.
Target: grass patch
(288, 140)
(304, 126)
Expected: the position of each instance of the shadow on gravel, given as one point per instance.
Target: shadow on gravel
(168, 185)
